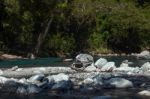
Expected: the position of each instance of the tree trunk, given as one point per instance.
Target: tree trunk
(42, 36)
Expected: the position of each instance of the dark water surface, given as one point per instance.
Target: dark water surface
(53, 61)
(115, 93)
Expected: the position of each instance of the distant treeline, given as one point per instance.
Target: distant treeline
(55, 27)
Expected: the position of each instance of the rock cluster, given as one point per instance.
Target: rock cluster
(94, 76)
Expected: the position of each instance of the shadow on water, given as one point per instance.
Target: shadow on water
(54, 61)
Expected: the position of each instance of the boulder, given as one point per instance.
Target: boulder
(144, 93)
(98, 80)
(84, 58)
(88, 81)
(1, 72)
(145, 66)
(90, 68)
(23, 81)
(109, 66)
(82, 61)
(144, 55)
(118, 83)
(100, 63)
(124, 65)
(36, 78)
(3, 80)
(60, 77)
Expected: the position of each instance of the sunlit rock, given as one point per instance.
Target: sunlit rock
(82, 61)
(36, 78)
(109, 66)
(144, 93)
(60, 77)
(90, 68)
(88, 81)
(3, 80)
(124, 65)
(14, 68)
(145, 66)
(118, 83)
(100, 62)
(144, 55)
(98, 80)
(1, 72)
(19, 69)
(23, 81)
(84, 58)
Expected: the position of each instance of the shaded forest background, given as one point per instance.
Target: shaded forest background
(56, 27)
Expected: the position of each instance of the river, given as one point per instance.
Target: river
(52, 61)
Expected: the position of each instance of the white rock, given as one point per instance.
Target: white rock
(60, 77)
(100, 62)
(19, 69)
(3, 80)
(127, 69)
(23, 81)
(84, 58)
(98, 80)
(145, 66)
(144, 54)
(1, 72)
(90, 68)
(109, 66)
(88, 81)
(144, 93)
(124, 65)
(120, 83)
(36, 78)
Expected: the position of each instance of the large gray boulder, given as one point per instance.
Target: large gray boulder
(90, 68)
(60, 82)
(82, 61)
(145, 66)
(118, 83)
(60, 77)
(144, 93)
(84, 58)
(110, 66)
(100, 63)
(144, 55)
(36, 78)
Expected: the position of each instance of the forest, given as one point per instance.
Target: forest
(58, 27)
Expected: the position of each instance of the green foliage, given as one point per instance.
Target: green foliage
(93, 25)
